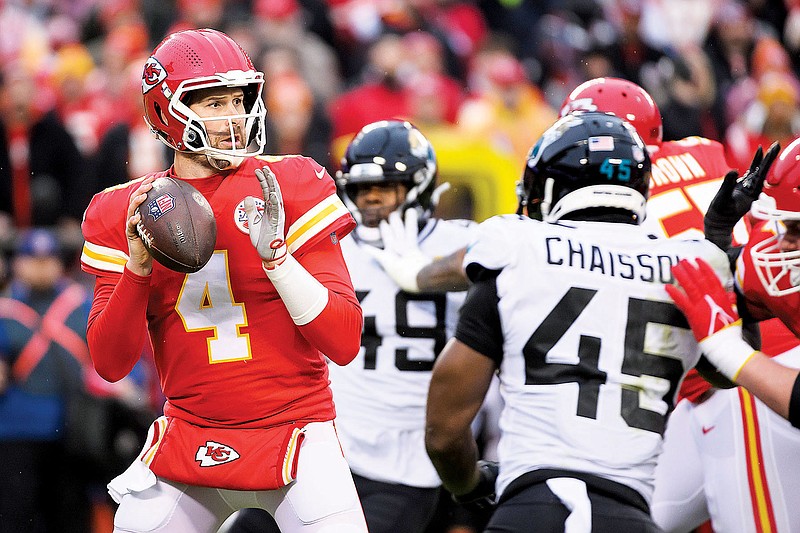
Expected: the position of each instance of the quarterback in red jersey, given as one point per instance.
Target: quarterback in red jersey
(238, 345)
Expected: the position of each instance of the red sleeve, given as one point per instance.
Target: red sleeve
(336, 332)
(117, 325)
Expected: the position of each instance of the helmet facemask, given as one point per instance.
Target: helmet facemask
(777, 269)
(195, 134)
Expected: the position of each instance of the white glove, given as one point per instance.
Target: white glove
(401, 257)
(267, 230)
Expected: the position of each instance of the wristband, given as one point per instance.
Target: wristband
(727, 351)
(302, 294)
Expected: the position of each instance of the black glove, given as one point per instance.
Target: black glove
(483, 495)
(734, 197)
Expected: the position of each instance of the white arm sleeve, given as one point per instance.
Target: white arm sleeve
(302, 294)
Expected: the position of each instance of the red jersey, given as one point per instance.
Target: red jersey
(227, 352)
(686, 175)
(764, 306)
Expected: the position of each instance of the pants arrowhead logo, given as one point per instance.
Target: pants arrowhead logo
(214, 453)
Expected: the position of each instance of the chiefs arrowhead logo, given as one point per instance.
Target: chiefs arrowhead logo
(240, 215)
(154, 73)
(214, 453)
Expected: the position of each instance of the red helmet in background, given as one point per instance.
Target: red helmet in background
(190, 60)
(622, 98)
(779, 268)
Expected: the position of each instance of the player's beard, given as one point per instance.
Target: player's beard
(225, 162)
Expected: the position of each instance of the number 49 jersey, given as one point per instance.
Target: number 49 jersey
(380, 396)
(593, 348)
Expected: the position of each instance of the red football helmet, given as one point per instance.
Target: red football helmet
(780, 202)
(622, 98)
(200, 59)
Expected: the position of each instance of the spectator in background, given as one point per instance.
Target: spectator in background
(380, 95)
(194, 14)
(773, 116)
(630, 53)
(128, 149)
(83, 106)
(688, 93)
(44, 181)
(510, 111)
(124, 45)
(729, 45)
(296, 123)
(282, 23)
(42, 346)
(425, 64)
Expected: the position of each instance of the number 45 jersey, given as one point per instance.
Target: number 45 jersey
(380, 396)
(591, 348)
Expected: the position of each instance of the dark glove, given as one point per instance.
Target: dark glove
(483, 495)
(734, 197)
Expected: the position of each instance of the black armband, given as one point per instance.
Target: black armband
(794, 404)
(483, 495)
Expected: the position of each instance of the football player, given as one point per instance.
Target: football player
(389, 175)
(736, 456)
(572, 311)
(238, 345)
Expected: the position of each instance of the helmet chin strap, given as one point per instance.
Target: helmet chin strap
(224, 163)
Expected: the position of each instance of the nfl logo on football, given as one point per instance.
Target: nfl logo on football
(160, 205)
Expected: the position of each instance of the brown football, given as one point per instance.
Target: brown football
(178, 225)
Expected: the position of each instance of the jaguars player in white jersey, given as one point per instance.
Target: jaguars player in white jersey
(572, 312)
(389, 171)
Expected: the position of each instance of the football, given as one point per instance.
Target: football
(177, 225)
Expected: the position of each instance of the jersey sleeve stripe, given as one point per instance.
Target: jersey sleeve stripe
(103, 258)
(314, 221)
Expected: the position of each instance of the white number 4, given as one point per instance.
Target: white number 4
(206, 303)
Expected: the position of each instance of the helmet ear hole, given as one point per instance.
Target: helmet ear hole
(193, 138)
(160, 114)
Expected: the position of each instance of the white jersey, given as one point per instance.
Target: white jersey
(593, 347)
(730, 459)
(381, 395)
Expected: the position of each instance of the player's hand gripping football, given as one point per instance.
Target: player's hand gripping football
(401, 256)
(140, 261)
(735, 195)
(267, 229)
(716, 326)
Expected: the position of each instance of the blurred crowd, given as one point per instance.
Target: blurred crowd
(487, 71)
(481, 78)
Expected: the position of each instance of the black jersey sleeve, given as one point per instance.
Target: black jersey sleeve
(479, 320)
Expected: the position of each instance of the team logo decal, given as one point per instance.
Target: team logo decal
(154, 73)
(161, 205)
(579, 104)
(240, 215)
(214, 453)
